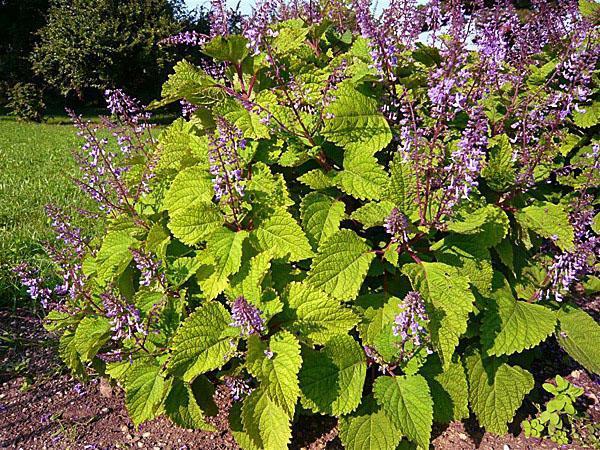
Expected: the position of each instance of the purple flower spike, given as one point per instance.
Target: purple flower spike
(238, 387)
(125, 318)
(396, 225)
(409, 323)
(247, 317)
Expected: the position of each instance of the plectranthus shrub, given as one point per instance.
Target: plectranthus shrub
(376, 216)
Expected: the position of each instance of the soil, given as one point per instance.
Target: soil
(42, 407)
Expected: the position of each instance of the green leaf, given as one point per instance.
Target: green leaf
(377, 325)
(407, 402)
(321, 217)
(590, 9)
(179, 148)
(204, 342)
(369, 428)
(341, 265)
(114, 255)
(313, 314)
(402, 189)
(549, 221)
(488, 224)
(91, 334)
(470, 257)
(496, 390)
(289, 38)
(588, 118)
(190, 83)
(332, 379)
(448, 301)
(232, 48)
(245, 120)
(510, 326)
(195, 223)
(282, 235)
(247, 282)
(373, 214)
(267, 424)
(145, 390)
(191, 186)
(362, 177)
(449, 390)
(225, 246)
(499, 172)
(355, 122)
(579, 336)
(317, 179)
(69, 354)
(278, 374)
(182, 409)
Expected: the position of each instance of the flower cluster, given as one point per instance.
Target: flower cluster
(238, 387)
(125, 318)
(228, 177)
(219, 18)
(409, 324)
(247, 317)
(256, 26)
(148, 267)
(397, 226)
(190, 38)
(34, 283)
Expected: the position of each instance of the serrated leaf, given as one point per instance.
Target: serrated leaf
(402, 186)
(488, 224)
(341, 265)
(278, 374)
(511, 326)
(449, 390)
(205, 341)
(245, 120)
(282, 235)
(362, 177)
(373, 214)
(378, 320)
(232, 48)
(247, 282)
(267, 424)
(471, 258)
(145, 390)
(448, 301)
(579, 336)
(499, 172)
(317, 179)
(321, 217)
(179, 147)
(589, 116)
(114, 255)
(91, 334)
(369, 428)
(407, 402)
(69, 354)
(313, 314)
(225, 246)
(332, 379)
(496, 390)
(182, 409)
(195, 223)
(190, 187)
(549, 221)
(355, 122)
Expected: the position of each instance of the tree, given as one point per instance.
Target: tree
(89, 46)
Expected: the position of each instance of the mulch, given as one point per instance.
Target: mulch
(43, 407)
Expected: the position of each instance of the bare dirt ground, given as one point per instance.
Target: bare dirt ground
(42, 407)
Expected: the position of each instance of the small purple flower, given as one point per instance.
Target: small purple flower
(79, 389)
(409, 324)
(148, 267)
(125, 318)
(247, 317)
(238, 387)
(34, 283)
(397, 225)
(190, 38)
(187, 108)
(219, 18)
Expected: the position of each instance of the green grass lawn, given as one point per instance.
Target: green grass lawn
(35, 170)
